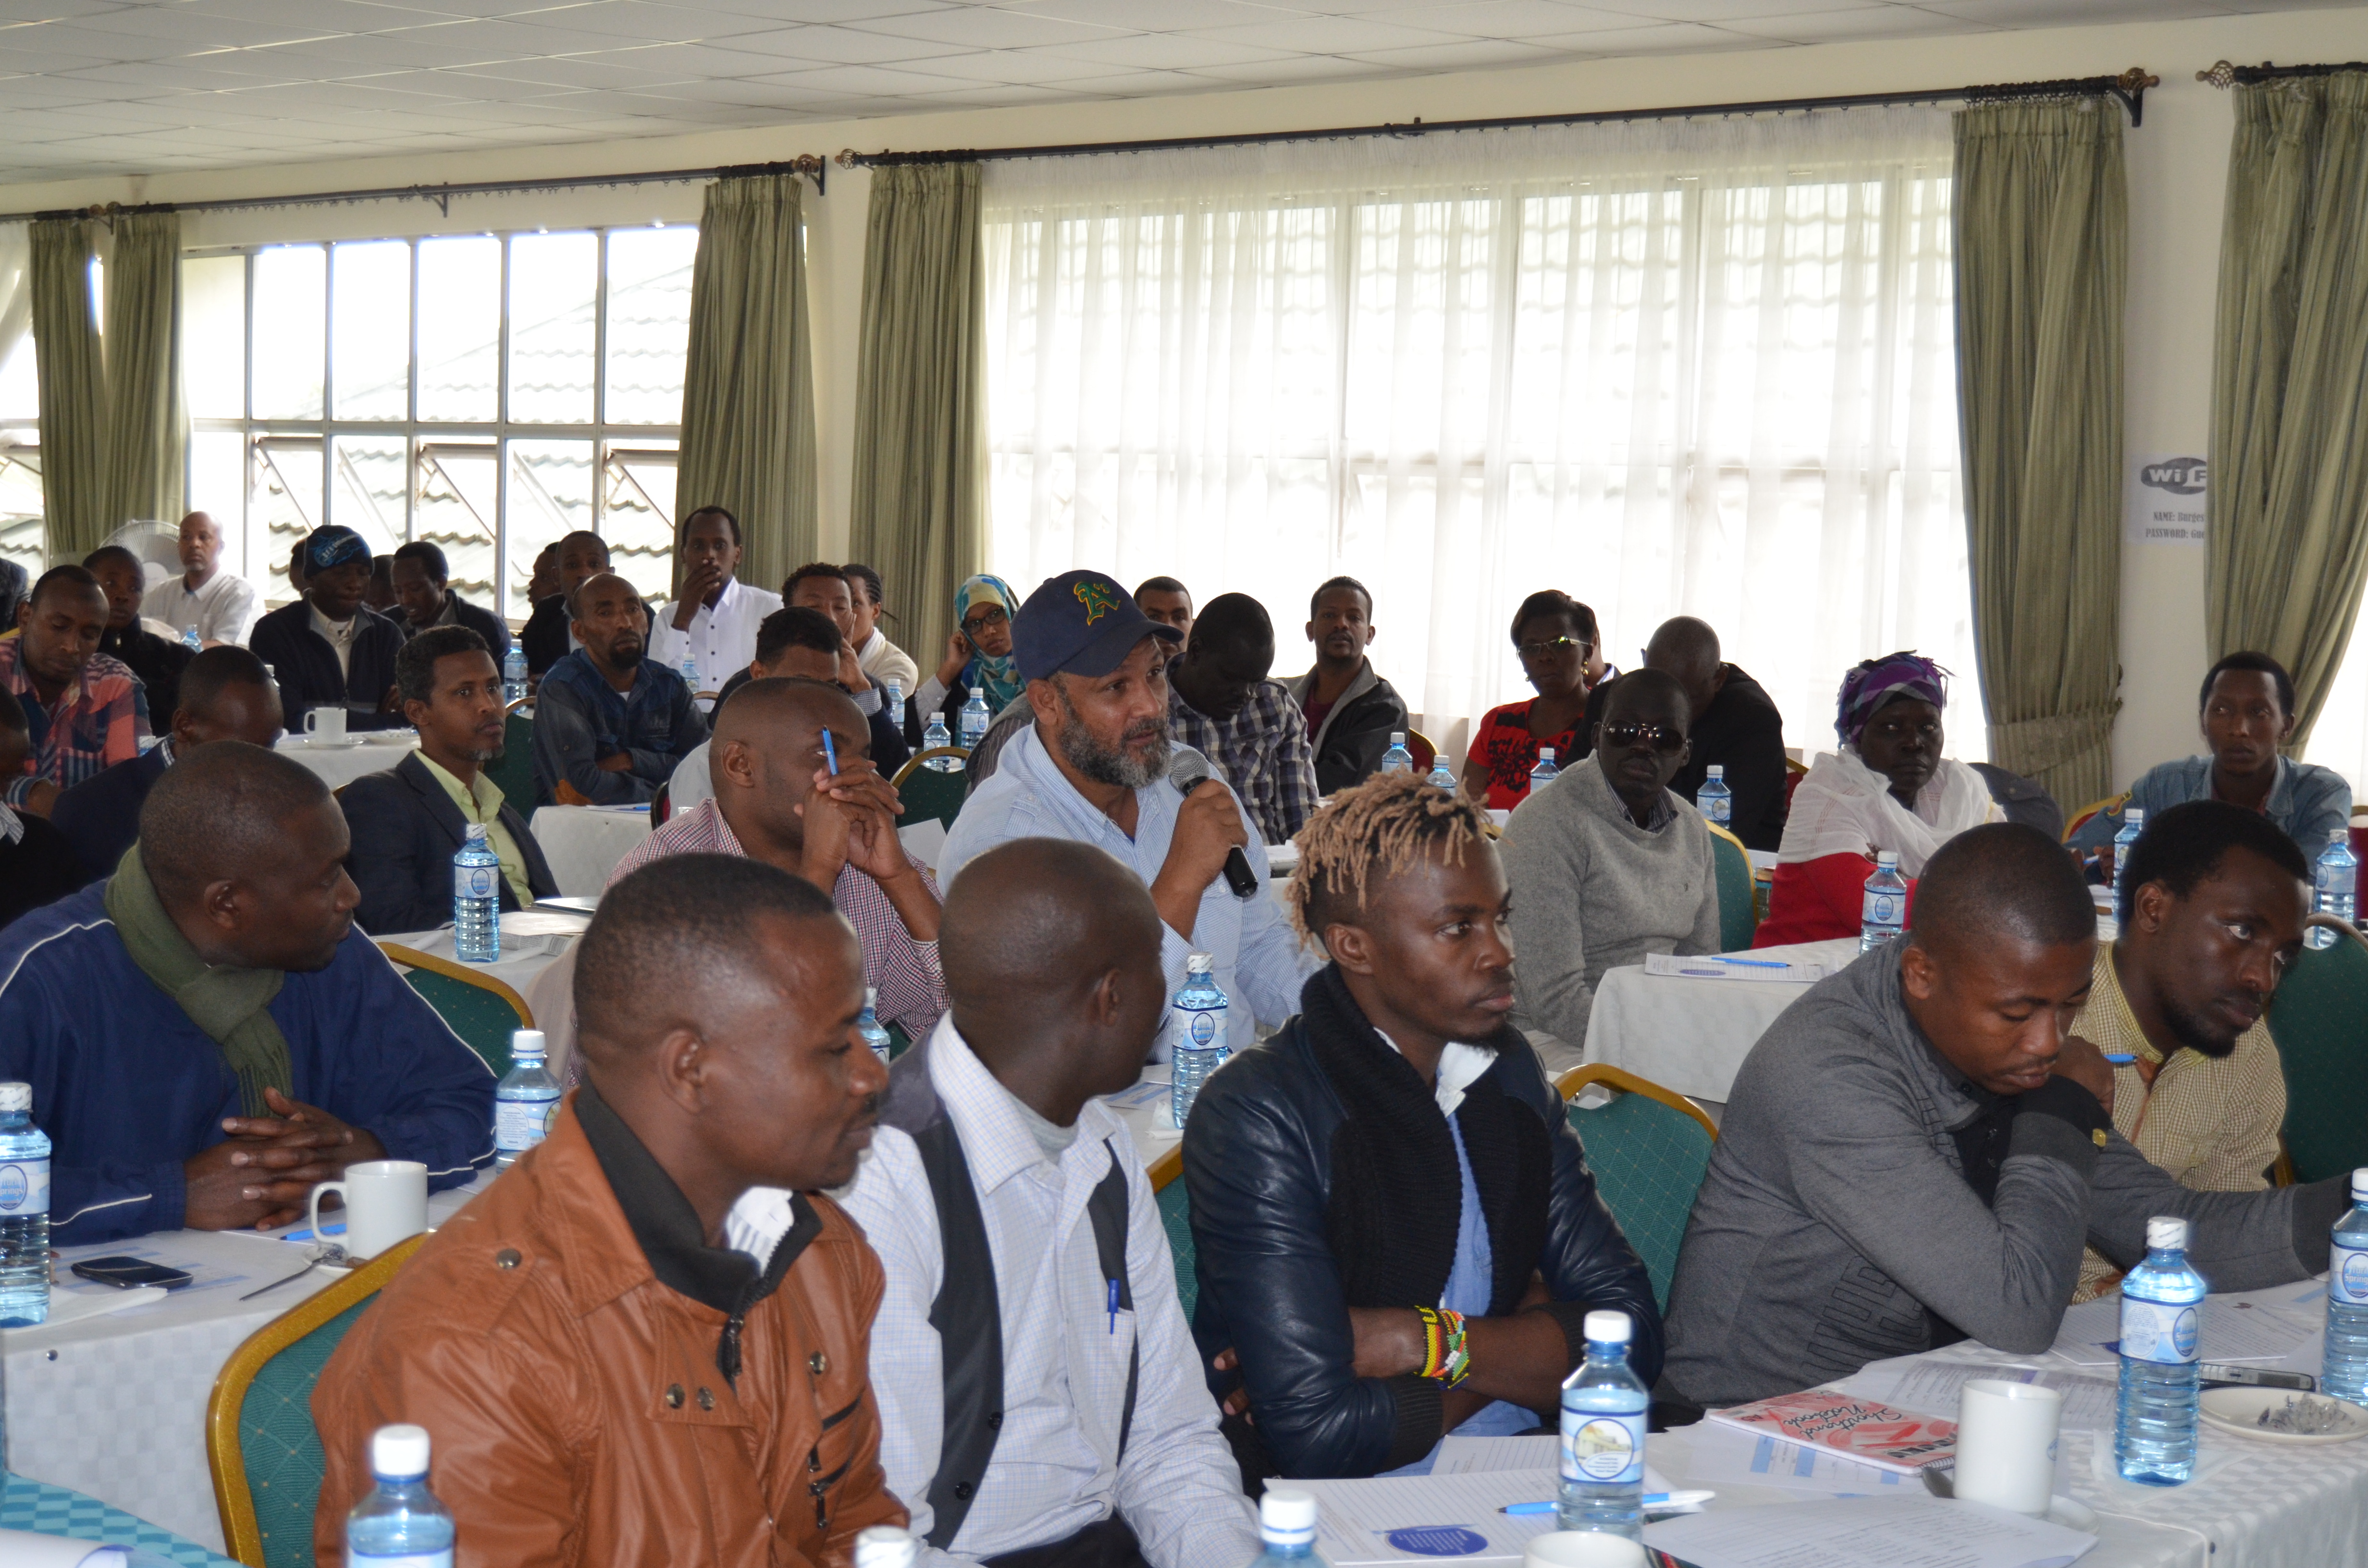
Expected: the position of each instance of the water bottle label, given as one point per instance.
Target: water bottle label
(1201, 1027)
(2161, 1332)
(1605, 1448)
(1881, 909)
(24, 1189)
(1721, 812)
(2347, 1278)
(401, 1560)
(473, 881)
(521, 1124)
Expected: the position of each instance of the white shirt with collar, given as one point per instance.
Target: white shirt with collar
(338, 635)
(721, 637)
(1064, 1358)
(221, 609)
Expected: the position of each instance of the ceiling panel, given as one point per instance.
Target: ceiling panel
(93, 87)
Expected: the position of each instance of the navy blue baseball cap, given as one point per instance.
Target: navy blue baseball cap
(1080, 623)
(333, 544)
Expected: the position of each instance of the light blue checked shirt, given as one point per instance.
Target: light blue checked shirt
(1064, 1355)
(1260, 961)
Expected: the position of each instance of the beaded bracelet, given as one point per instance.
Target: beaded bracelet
(1445, 1359)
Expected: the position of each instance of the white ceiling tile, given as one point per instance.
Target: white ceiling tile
(194, 31)
(1477, 54)
(1648, 38)
(2043, 13)
(1715, 12)
(1007, 67)
(1142, 83)
(873, 81)
(1156, 16)
(1504, 18)
(51, 10)
(353, 55)
(1827, 27)
(986, 26)
(36, 39)
(1303, 68)
(632, 19)
(993, 97)
(821, 12)
(1326, 35)
(837, 46)
(1166, 51)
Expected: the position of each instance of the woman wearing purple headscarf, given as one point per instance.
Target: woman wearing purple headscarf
(1887, 788)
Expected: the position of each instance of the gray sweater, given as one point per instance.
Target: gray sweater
(1835, 1226)
(1592, 891)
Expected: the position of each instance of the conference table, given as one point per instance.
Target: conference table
(338, 764)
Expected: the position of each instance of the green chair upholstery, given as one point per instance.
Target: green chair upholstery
(1176, 1214)
(2319, 1019)
(928, 793)
(513, 771)
(1738, 909)
(260, 1442)
(1649, 1156)
(899, 1042)
(482, 1010)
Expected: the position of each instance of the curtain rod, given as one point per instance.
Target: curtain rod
(2129, 88)
(806, 163)
(2223, 74)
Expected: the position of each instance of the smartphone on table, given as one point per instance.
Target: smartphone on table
(2223, 1373)
(131, 1273)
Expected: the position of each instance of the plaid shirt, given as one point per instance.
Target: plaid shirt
(2210, 1121)
(905, 972)
(1262, 752)
(97, 724)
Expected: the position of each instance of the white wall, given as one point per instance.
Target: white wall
(2178, 163)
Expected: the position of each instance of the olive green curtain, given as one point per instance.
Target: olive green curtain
(919, 514)
(748, 394)
(2288, 493)
(147, 435)
(2041, 221)
(73, 381)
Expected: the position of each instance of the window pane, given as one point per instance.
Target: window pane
(367, 495)
(20, 389)
(636, 509)
(649, 323)
(289, 285)
(371, 348)
(283, 503)
(218, 485)
(552, 289)
(213, 337)
(455, 511)
(20, 500)
(460, 328)
(550, 494)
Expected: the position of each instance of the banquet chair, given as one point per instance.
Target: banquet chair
(2315, 1020)
(479, 1008)
(1419, 747)
(513, 771)
(1648, 1147)
(1739, 904)
(928, 793)
(1175, 1218)
(260, 1443)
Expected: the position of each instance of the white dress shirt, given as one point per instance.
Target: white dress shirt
(721, 637)
(1064, 1355)
(223, 610)
(339, 635)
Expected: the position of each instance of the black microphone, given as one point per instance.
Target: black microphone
(1188, 773)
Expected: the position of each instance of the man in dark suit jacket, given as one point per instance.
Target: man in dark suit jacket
(329, 649)
(224, 695)
(407, 822)
(419, 576)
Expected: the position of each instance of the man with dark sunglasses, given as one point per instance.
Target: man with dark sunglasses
(1606, 864)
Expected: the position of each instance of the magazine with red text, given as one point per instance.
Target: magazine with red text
(1857, 1428)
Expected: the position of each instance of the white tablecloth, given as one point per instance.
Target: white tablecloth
(115, 1406)
(339, 766)
(522, 958)
(584, 844)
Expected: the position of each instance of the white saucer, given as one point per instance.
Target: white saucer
(2239, 1410)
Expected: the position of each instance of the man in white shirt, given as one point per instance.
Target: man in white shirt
(882, 660)
(218, 605)
(714, 621)
(1039, 1393)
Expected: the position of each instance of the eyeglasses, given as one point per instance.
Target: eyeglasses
(1661, 737)
(1552, 646)
(985, 615)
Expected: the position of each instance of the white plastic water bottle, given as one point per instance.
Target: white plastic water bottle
(1397, 760)
(936, 738)
(1442, 776)
(2338, 891)
(1545, 772)
(1714, 799)
(514, 674)
(1883, 911)
(24, 1212)
(2344, 1373)
(2133, 827)
(689, 671)
(869, 1026)
(1287, 1527)
(400, 1524)
(1196, 1022)
(526, 1102)
(2162, 1313)
(892, 702)
(885, 1546)
(975, 720)
(476, 898)
(190, 640)
(1604, 1405)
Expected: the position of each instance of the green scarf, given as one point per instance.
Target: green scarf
(229, 1004)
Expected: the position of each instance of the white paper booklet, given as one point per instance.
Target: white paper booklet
(1425, 1517)
(1733, 966)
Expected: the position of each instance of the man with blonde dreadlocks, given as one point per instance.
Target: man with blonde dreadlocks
(1397, 1235)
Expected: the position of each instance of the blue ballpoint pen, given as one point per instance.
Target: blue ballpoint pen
(1750, 963)
(1650, 1500)
(1113, 1306)
(830, 753)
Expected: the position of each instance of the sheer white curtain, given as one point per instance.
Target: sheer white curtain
(2339, 739)
(1669, 367)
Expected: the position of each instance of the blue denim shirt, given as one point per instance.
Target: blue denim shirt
(2308, 802)
(1260, 961)
(579, 718)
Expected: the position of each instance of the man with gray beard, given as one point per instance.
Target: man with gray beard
(1094, 766)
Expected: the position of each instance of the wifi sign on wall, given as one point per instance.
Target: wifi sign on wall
(2163, 501)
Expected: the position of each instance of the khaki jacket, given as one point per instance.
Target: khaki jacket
(574, 1403)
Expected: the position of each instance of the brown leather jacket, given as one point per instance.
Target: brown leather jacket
(574, 1400)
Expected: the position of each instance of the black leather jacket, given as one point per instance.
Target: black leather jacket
(1258, 1167)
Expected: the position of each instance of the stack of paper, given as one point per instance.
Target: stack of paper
(1723, 966)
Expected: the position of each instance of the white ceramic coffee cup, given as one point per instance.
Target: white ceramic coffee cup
(2006, 1444)
(386, 1202)
(1581, 1548)
(326, 723)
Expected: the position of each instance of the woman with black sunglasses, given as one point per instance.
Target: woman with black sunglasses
(1555, 636)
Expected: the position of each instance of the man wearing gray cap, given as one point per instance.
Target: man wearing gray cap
(329, 649)
(1094, 766)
